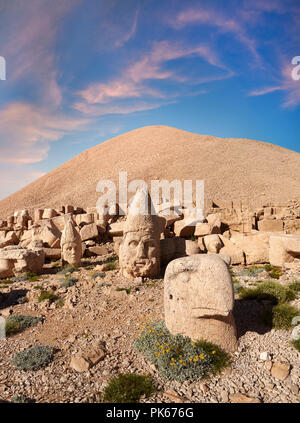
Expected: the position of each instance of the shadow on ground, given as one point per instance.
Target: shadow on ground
(248, 316)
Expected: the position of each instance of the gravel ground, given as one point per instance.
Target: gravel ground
(92, 313)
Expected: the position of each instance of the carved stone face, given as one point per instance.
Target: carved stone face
(71, 253)
(139, 254)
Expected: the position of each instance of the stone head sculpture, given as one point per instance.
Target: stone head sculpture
(71, 249)
(199, 299)
(139, 250)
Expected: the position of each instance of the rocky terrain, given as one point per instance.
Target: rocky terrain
(103, 308)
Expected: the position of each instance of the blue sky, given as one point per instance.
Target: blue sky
(80, 72)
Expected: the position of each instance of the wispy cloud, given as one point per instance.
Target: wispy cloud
(30, 131)
(130, 34)
(284, 83)
(226, 23)
(135, 79)
(29, 45)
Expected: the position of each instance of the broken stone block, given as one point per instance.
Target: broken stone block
(270, 225)
(49, 213)
(280, 370)
(89, 232)
(284, 249)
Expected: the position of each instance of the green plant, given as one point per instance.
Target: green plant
(98, 275)
(296, 344)
(101, 285)
(21, 399)
(60, 303)
(33, 358)
(176, 356)
(128, 388)
(6, 281)
(47, 295)
(280, 317)
(19, 278)
(68, 281)
(38, 287)
(272, 291)
(128, 290)
(251, 271)
(273, 271)
(68, 269)
(18, 322)
(22, 300)
(295, 286)
(110, 266)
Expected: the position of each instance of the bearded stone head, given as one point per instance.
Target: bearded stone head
(139, 251)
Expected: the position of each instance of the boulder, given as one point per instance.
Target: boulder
(212, 243)
(15, 259)
(49, 213)
(199, 300)
(267, 225)
(235, 252)
(89, 232)
(115, 229)
(284, 249)
(8, 238)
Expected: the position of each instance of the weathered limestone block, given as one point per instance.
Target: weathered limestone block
(49, 213)
(38, 214)
(52, 253)
(254, 247)
(267, 225)
(214, 220)
(284, 249)
(86, 218)
(15, 259)
(185, 227)
(292, 226)
(115, 229)
(235, 252)
(202, 229)
(8, 238)
(139, 251)
(199, 300)
(89, 232)
(71, 244)
(172, 248)
(50, 236)
(212, 243)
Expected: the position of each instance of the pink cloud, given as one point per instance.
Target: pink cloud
(29, 43)
(286, 84)
(30, 130)
(225, 24)
(133, 83)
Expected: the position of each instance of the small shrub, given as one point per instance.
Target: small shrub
(18, 322)
(6, 281)
(38, 287)
(128, 388)
(47, 295)
(21, 399)
(33, 358)
(68, 269)
(272, 291)
(34, 278)
(295, 286)
(60, 303)
(19, 278)
(128, 290)
(273, 271)
(296, 344)
(68, 282)
(251, 271)
(110, 266)
(98, 275)
(280, 317)
(176, 356)
(22, 300)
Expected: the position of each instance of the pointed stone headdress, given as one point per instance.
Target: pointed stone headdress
(70, 234)
(140, 215)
